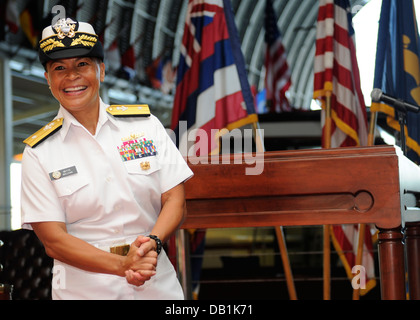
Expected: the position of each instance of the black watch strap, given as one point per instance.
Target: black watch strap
(158, 243)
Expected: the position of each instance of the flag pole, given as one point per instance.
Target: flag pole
(372, 127)
(259, 143)
(279, 230)
(362, 227)
(328, 121)
(326, 231)
(359, 256)
(286, 263)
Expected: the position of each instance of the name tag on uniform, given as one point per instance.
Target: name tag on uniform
(62, 173)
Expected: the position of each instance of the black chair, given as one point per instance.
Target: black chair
(25, 265)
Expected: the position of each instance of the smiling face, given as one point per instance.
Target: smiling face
(75, 82)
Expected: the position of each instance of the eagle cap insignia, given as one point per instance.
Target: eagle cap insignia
(65, 28)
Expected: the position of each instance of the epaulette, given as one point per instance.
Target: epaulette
(135, 110)
(44, 133)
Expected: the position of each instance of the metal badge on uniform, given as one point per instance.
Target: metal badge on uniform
(56, 175)
(145, 165)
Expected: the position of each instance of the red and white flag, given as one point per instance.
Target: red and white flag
(336, 75)
(278, 75)
(212, 90)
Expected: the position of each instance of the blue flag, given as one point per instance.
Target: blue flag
(397, 70)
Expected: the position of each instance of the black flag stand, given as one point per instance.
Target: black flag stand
(402, 111)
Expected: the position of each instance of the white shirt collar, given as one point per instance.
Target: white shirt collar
(70, 120)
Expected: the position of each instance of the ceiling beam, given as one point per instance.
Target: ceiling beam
(35, 114)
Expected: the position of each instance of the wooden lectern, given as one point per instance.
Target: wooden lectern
(312, 187)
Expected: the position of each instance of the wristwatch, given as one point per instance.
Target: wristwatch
(158, 243)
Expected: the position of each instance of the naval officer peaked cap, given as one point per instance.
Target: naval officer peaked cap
(69, 39)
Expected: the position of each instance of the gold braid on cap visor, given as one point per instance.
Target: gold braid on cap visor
(84, 39)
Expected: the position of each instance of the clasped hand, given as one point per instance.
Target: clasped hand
(141, 261)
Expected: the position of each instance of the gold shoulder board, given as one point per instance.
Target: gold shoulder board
(44, 133)
(135, 110)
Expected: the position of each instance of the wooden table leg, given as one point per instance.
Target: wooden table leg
(391, 264)
(412, 245)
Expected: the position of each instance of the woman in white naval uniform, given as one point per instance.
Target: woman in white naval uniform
(99, 178)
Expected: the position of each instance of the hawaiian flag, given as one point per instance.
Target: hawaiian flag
(212, 90)
(212, 87)
(278, 75)
(337, 76)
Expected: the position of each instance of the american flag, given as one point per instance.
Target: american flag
(337, 75)
(212, 87)
(278, 75)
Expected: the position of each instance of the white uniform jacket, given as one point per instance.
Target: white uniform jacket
(107, 189)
